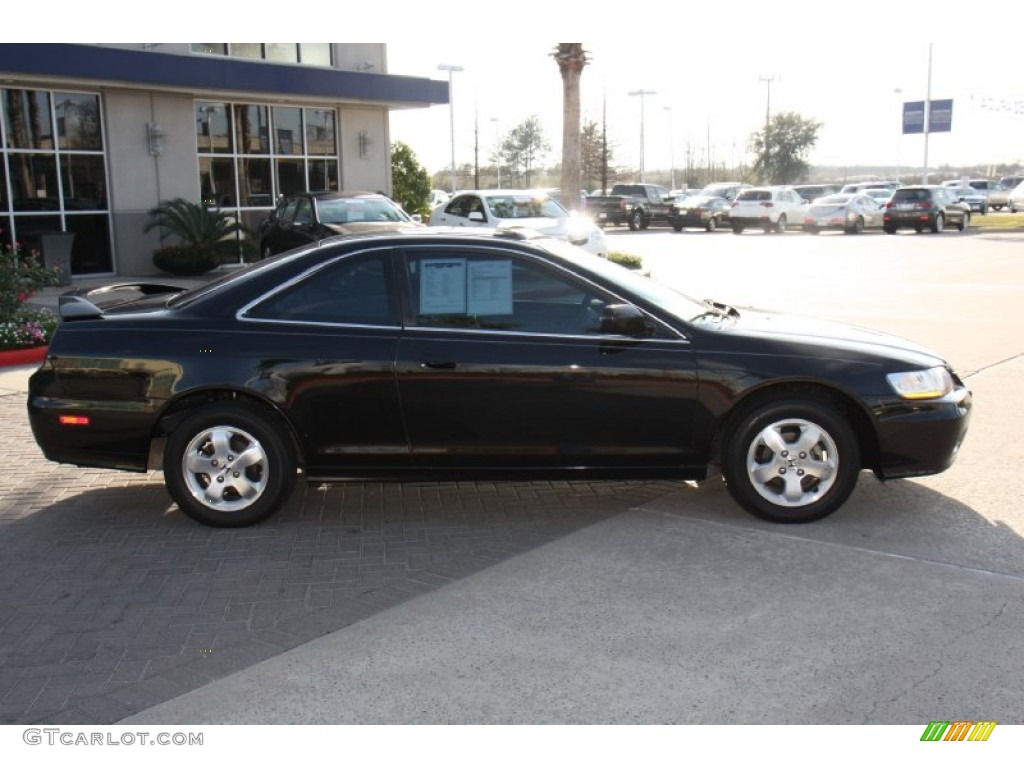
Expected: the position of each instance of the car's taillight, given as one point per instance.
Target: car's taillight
(74, 421)
(924, 206)
(889, 205)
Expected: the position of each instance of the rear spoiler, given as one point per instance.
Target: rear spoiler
(89, 303)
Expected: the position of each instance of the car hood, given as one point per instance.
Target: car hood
(834, 335)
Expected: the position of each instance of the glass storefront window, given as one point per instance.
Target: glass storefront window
(320, 132)
(254, 182)
(317, 54)
(217, 181)
(252, 129)
(288, 131)
(281, 52)
(84, 182)
(34, 182)
(213, 128)
(78, 121)
(27, 119)
(247, 50)
(291, 177)
(323, 175)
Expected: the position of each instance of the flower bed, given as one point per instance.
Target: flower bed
(24, 327)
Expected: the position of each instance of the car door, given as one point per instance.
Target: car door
(329, 339)
(504, 363)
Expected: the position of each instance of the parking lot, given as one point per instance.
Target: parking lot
(559, 602)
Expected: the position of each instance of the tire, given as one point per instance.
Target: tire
(644, 222)
(677, 227)
(811, 230)
(997, 207)
(635, 220)
(889, 230)
(938, 224)
(793, 460)
(712, 225)
(965, 222)
(984, 210)
(737, 229)
(235, 451)
(780, 225)
(857, 228)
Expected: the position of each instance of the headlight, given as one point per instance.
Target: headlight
(921, 385)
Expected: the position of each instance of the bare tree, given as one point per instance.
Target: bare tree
(571, 60)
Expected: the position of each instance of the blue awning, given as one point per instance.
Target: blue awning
(101, 65)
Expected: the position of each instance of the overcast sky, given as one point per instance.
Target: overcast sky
(711, 90)
(836, 62)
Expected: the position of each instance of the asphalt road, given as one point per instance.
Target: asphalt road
(568, 604)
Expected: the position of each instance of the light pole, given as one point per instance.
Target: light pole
(898, 92)
(497, 149)
(450, 68)
(641, 94)
(767, 80)
(671, 151)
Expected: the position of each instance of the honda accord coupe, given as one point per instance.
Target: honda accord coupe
(432, 353)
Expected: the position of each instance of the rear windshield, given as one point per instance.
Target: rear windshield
(755, 194)
(912, 195)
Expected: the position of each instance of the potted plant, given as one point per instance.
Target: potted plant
(203, 235)
(25, 331)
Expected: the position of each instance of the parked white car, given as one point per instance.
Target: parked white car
(1015, 200)
(769, 208)
(520, 208)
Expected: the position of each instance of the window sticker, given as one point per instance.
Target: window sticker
(443, 286)
(490, 288)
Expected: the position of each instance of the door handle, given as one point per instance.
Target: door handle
(433, 365)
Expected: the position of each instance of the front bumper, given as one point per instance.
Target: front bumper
(921, 438)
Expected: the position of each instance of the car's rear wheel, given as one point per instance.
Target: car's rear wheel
(857, 228)
(635, 220)
(938, 223)
(794, 460)
(780, 225)
(965, 222)
(677, 227)
(712, 224)
(228, 466)
(737, 229)
(889, 230)
(811, 230)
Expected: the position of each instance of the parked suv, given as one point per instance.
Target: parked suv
(926, 205)
(770, 208)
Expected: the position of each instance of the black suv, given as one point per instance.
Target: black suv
(925, 205)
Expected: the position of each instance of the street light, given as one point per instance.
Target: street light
(450, 68)
(497, 149)
(641, 94)
(899, 136)
(671, 150)
(767, 80)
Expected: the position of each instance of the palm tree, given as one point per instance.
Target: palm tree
(203, 234)
(571, 60)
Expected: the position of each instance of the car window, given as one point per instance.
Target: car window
(458, 206)
(512, 206)
(500, 292)
(755, 195)
(303, 211)
(354, 290)
(286, 211)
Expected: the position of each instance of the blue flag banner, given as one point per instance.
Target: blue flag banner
(940, 116)
(913, 117)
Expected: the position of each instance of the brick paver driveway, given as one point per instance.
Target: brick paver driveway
(112, 601)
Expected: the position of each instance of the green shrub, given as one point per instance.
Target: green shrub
(628, 260)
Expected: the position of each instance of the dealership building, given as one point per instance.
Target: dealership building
(94, 136)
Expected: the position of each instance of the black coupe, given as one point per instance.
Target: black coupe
(440, 354)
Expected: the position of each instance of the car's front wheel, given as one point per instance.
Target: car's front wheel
(227, 466)
(938, 223)
(791, 461)
(712, 224)
(635, 221)
(965, 222)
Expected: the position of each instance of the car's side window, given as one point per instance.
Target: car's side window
(286, 213)
(354, 290)
(457, 207)
(303, 211)
(500, 292)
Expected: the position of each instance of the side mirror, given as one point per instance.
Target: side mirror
(477, 216)
(624, 320)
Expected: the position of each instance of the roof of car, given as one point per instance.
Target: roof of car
(335, 195)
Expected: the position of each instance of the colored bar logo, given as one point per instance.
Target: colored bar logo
(958, 730)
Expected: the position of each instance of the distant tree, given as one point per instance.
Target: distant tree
(571, 60)
(410, 182)
(594, 155)
(779, 155)
(523, 148)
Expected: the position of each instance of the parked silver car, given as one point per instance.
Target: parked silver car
(849, 213)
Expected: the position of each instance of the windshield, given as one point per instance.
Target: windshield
(677, 304)
(349, 210)
(525, 207)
